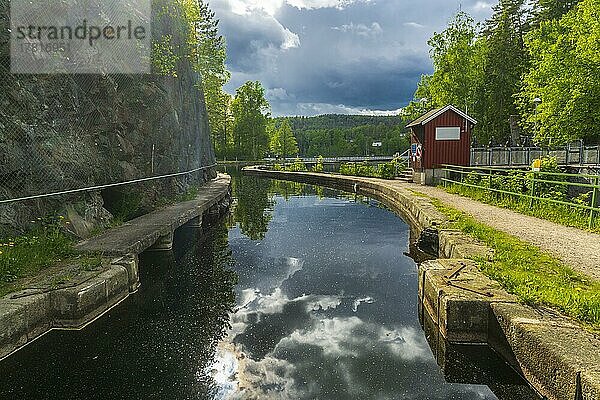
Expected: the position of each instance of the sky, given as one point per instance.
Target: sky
(335, 56)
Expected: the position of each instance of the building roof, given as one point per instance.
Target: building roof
(433, 114)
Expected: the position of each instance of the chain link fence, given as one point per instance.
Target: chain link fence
(64, 133)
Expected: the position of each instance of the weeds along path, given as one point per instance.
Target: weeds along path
(578, 249)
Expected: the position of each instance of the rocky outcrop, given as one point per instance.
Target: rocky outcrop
(62, 132)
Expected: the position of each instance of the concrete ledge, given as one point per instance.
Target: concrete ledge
(455, 244)
(459, 298)
(140, 234)
(551, 351)
(75, 307)
(28, 314)
(86, 295)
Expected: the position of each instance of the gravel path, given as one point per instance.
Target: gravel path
(577, 248)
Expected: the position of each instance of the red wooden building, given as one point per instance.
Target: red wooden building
(441, 136)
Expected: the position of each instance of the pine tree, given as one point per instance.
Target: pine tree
(505, 61)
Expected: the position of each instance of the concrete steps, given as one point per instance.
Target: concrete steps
(406, 176)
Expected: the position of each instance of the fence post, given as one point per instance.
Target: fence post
(445, 177)
(510, 156)
(532, 190)
(594, 201)
(490, 158)
(490, 182)
(529, 156)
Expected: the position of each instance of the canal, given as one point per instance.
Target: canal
(301, 293)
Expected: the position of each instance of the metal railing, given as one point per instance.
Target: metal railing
(333, 160)
(524, 156)
(106, 186)
(535, 186)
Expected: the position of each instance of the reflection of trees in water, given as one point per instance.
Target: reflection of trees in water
(159, 344)
(288, 189)
(254, 208)
(197, 292)
(256, 199)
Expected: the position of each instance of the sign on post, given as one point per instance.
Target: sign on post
(537, 165)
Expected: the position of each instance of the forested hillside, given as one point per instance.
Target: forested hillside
(348, 135)
(330, 121)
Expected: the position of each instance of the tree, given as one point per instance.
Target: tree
(565, 75)
(221, 121)
(283, 142)
(210, 57)
(505, 61)
(458, 56)
(250, 111)
(549, 10)
(457, 67)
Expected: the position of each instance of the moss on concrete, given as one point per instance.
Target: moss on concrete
(536, 277)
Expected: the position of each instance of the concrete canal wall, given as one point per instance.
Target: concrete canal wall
(556, 355)
(72, 297)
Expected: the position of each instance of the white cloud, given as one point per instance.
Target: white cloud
(481, 6)
(271, 7)
(277, 94)
(324, 108)
(291, 40)
(360, 29)
(314, 4)
(414, 25)
(340, 338)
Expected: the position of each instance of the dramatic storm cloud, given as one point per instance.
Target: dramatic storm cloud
(334, 56)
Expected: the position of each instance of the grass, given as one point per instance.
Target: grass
(535, 277)
(48, 245)
(561, 214)
(45, 246)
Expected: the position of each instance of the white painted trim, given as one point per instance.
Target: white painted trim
(443, 110)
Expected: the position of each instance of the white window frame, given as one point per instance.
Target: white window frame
(448, 133)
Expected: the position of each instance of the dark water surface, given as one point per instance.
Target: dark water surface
(325, 307)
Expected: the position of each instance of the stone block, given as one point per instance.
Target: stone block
(458, 297)
(117, 284)
(35, 311)
(164, 243)
(551, 351)
(13, 328)
(463, 320)
(131, 265)
(72, 306)
(195, 223)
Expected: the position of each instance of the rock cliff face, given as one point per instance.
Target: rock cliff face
(62, 132)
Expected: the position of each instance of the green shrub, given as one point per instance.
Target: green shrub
(319, 165)
(297, 166)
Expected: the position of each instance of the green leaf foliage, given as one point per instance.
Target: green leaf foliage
(250, 111)
(565, 75)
